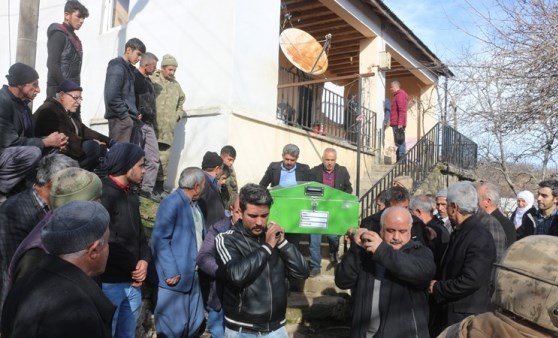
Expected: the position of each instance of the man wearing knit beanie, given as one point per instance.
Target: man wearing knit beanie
(129, 252)
(67, 185)
(77, 240)
(20, 151)
(170, 109)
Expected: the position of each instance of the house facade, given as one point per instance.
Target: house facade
(242, 90)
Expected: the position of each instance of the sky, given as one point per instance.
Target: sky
(444, 26)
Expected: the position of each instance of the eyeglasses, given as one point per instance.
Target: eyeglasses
(77, 98)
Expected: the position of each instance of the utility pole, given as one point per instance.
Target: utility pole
(27, 32)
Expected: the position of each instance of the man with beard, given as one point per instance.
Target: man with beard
(169, 99)
(257, 260)
(129, 252)
(388, 274)
(20, 150)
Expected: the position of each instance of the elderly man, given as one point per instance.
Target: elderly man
(176, 240)
(441, 206)
(20, 151)
(256, 260)
(421, 206)
(60, 114)
(129, 252)
(462, 285)
(70, 184)
(60, 298)
(21, 212)
(388, 274)
(333, 175)
(169, 98)
(489, 201)
(147, 113)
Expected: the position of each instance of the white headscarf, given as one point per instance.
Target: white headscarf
(519, 212)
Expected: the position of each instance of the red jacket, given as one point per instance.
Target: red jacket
(398, 116)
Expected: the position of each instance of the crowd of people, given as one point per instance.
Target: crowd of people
(74, 253)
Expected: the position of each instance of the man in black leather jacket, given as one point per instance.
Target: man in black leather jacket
(256, 261)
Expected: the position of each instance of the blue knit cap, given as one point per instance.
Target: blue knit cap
(121, 157)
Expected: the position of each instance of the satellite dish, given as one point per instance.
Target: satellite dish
(303, 51)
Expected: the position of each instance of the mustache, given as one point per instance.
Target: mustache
(395, 242)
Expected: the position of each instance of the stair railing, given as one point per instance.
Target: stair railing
(441, 144)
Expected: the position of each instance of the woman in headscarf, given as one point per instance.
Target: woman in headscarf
(524, 216)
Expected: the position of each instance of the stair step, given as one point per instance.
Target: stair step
(303, 306)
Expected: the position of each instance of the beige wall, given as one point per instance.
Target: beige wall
(259, 143)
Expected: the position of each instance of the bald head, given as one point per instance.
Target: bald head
(396, 226)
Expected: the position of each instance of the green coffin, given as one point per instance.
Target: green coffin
(314, 208)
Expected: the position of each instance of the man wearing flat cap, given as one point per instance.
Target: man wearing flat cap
(20, 150)
(59, 298)
(129, 252)
(169, 99)
(61, 114)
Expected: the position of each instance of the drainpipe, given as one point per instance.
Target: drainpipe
(27, 32)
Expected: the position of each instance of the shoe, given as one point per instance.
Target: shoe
(333, 258)
(151, 195)
(314, 272)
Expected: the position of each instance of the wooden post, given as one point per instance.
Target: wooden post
(27, 32)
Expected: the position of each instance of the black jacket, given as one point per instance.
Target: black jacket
(127, 242)
(65, 54)
(462, 287)
(273, 174)
(528, 223)
(57, 300)
(51, 116)
(342, 178)
(211, 203)
(255, 291)
(403, 300)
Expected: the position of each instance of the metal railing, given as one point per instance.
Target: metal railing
(442, 144)
(315, 108)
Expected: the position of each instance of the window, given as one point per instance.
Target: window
(116, 13)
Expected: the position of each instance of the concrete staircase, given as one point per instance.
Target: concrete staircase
(316, 307)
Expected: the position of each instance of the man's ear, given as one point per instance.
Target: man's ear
(94, 250)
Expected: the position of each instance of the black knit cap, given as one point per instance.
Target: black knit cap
(211, 160)
(20, 74)
(122, 157)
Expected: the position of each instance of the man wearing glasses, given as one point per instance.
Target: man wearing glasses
(60, 114)
(20, 150)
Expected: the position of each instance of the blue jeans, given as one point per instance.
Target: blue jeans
(215, 323)
(127, 300)
(315, 254)
(279, 333)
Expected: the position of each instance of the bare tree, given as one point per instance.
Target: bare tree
(507, 92)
